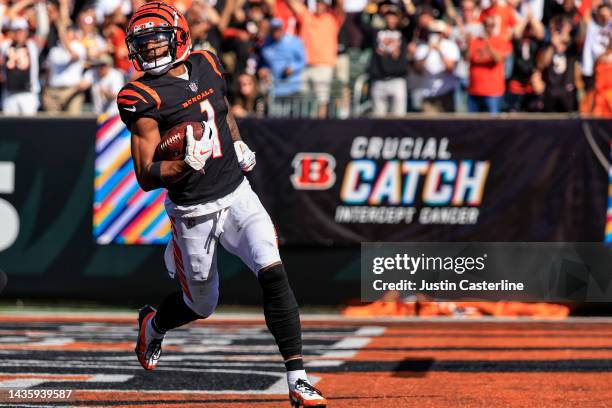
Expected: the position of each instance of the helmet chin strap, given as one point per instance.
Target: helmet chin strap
(165, 68)
(166, 64)
(160, 70)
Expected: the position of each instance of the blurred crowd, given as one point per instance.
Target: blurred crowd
(387, 56)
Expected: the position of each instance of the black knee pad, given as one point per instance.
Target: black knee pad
(274, 273)
(281, 310)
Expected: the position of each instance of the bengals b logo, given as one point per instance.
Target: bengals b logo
(313, 171)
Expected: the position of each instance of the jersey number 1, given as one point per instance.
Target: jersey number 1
(207, 108)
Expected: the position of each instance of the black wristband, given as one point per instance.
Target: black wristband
(155, 171)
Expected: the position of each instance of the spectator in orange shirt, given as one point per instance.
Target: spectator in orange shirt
(504, 17)
(282, 11)
(319, 32)
(114, 32)
(487, 82)
(603, 83)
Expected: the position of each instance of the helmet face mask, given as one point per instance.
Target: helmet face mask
(157, 38)
(153, 48)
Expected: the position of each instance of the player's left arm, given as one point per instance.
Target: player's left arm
(152, 174)
(246, 157)
(231, 123)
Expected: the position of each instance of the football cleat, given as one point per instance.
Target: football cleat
(147, 349)
(304, 394)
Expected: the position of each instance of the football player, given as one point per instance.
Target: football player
(209, 199)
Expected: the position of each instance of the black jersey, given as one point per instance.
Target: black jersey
(172, 101)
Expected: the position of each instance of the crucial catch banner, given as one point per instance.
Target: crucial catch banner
(345, 182)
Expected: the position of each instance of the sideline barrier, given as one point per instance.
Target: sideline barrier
(344, 182)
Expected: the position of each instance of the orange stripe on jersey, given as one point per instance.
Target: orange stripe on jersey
(148, 90)
(129, 92)
(211, 60)
(124, 101)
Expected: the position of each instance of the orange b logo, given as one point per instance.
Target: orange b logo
(313, 171)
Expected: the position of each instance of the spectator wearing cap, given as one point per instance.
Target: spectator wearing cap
(486, 55)
(35, 13)
(319, 32)
(435, 60)
(104, 83)
(389, 62)
(65, 64)
(19, 62)
(284, 59)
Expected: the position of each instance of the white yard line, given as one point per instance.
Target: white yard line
(314, 317)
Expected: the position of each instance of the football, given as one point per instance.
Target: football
(172, 145)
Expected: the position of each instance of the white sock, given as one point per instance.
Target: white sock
(152, 332)
(293, 376)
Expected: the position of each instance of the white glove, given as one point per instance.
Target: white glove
(198, 151)
(246, 157)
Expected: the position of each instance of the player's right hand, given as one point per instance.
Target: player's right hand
(198, 151)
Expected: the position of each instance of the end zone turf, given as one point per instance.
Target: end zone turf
(231, 361)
